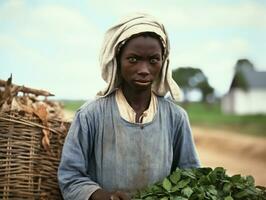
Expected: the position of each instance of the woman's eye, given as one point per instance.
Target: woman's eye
(132, 59)
(154, 60)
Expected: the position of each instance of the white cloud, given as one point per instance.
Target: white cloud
(242, 15)
(22, 53)
(191, 14)
(13, 11)
(76, 80)
(53, 47)
(210, 50)
(62, 24)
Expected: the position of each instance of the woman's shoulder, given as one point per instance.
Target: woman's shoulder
(169, 105)
(96, 105)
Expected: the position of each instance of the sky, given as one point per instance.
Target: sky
(55, 45)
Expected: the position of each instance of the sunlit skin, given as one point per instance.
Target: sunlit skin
(140, 65)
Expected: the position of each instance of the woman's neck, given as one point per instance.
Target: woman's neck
(139, 100)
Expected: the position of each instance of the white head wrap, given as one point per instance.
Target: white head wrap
(129, 26)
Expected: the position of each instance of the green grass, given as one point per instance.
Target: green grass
(72, 105)
(211, 115)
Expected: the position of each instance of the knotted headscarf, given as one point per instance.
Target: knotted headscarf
(128, 27)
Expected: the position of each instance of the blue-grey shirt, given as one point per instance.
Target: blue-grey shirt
(104, 150)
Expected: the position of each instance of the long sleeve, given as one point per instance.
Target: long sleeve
(73, 177)
(184, 151)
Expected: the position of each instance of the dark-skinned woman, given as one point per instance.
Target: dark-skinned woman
(130, 136)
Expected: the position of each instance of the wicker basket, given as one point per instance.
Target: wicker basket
(27, 170)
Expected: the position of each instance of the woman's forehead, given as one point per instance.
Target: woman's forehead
(143, 43)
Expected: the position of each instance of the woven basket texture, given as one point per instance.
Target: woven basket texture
(27, 169)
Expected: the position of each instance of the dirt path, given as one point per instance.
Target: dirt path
(239, 154)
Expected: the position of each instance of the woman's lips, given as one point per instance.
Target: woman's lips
(142, 82)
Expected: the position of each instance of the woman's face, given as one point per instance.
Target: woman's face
(140, 62)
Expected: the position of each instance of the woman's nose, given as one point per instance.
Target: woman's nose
(144, 69)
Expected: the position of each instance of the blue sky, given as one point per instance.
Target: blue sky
(54, 45)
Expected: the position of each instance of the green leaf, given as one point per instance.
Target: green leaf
(227, 187)
(251, 191)
(188, 173)
(228, 198)
(250, 180)
(164, 198)
(200, 196)
(236, 178)
(211, 189)
(219, 169)
(212, 177)
(183, 183)
(203, 180)
(175, 188)
(241, 194)
(149, 198)
(204, 170)
(167, 184)
(240, 186)
(145, 195)
(175, 176)
(179, 198)
(155, 188)
(187, 191)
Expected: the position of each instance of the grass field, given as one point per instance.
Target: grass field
(72, 105)
(211, 115)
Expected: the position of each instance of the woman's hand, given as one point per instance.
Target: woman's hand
(104, 195)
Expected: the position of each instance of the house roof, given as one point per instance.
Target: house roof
(255, 79)
(248, 79)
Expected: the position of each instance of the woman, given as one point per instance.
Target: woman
(130, 136)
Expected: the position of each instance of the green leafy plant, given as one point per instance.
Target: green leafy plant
(203, 184)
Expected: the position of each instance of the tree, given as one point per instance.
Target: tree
(189, 78)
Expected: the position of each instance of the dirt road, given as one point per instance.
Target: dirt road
(238, 153)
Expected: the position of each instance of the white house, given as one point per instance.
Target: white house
(249, 98)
